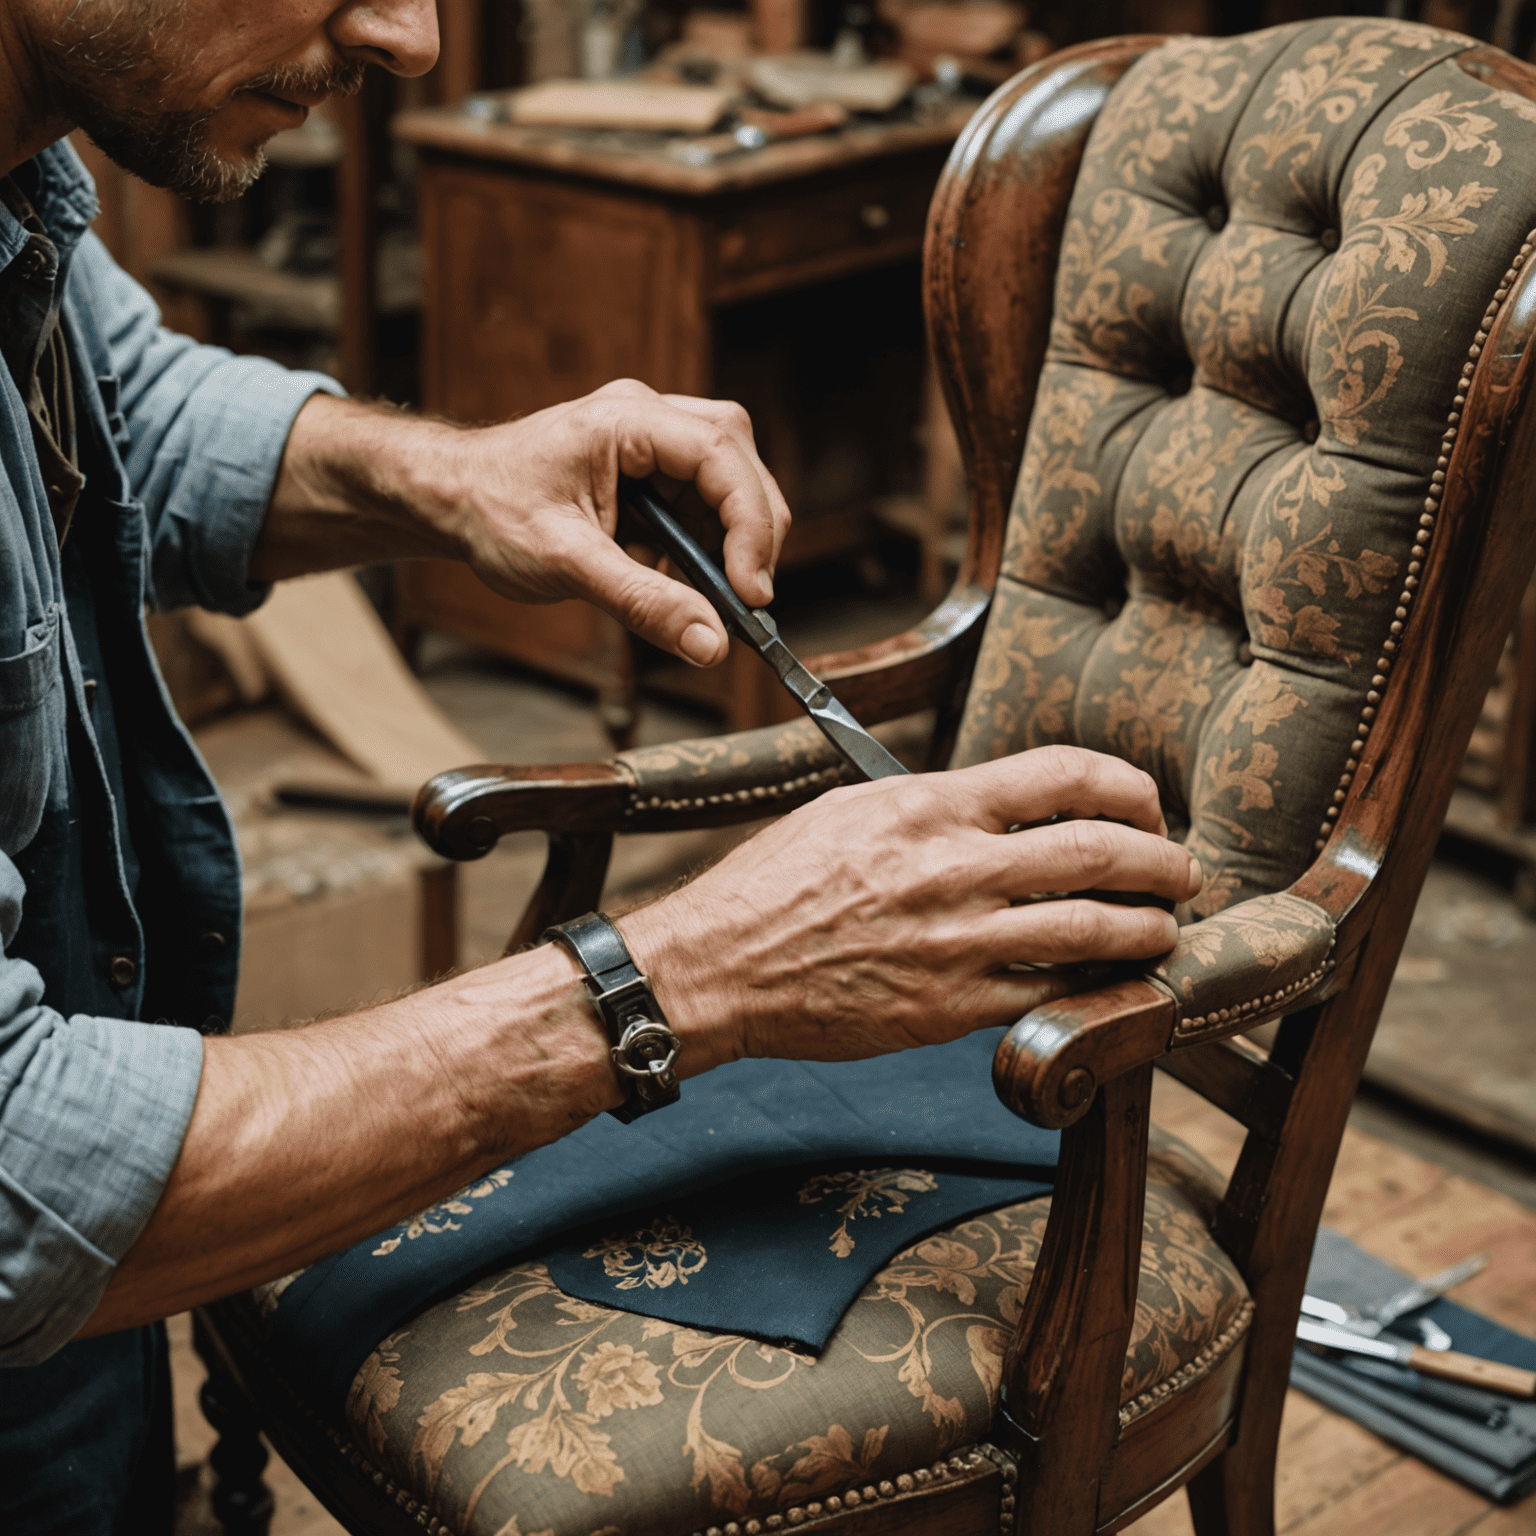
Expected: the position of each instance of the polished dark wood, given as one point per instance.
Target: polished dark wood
(571, 886)
(1064, 1364)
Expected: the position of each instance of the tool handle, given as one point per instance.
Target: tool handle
(684, 553)
(1474, 1371)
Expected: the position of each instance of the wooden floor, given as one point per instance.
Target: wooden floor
(1335, 1478)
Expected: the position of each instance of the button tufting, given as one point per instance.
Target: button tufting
(1329, 239)
(1216, 217)
(1310, 429)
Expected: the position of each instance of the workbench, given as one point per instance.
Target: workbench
(557, 260)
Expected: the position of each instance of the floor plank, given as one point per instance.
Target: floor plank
(1403, 1498)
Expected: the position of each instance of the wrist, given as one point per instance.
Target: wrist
(695, 992)
(377, 466)
(525, 1050)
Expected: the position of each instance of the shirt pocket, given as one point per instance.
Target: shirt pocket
(31, 731)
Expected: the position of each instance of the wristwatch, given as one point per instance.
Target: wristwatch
(642, 1044)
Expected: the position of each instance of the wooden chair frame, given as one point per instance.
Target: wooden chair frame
(1085, 1462)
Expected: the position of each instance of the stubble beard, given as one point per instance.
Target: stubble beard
(112, 75)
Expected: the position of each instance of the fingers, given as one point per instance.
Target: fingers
(668, 613)
(744, 536)
(1059, 781)
(710, 443)
(1067, 932)
(1093, 855)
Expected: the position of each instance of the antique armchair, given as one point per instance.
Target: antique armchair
(1251, 507)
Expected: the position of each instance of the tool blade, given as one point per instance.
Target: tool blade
(854, 742)
(1340, 1316)
(1422, 1292)
(757, 628)
(1331, 1336)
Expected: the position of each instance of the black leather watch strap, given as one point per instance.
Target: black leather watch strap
(642, 1044)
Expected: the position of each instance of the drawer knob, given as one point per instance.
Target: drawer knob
(874, 216)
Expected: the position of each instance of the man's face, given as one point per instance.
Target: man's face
(185, 93)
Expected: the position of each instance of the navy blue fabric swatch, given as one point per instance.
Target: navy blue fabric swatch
(911, 1110)
(780, 1255)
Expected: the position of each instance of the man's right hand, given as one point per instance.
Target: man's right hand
(886, 915)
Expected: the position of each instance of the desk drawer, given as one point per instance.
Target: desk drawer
(776, 239)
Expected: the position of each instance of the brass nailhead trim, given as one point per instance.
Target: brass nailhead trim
(966, 1461)
(827, 777)
(1254, 1005)
(1426, 528)
(1191, 1372)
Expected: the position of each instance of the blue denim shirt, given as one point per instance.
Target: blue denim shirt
(187, 442)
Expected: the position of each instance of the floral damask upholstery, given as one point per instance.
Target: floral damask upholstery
(514, 1408)
(1276, 258)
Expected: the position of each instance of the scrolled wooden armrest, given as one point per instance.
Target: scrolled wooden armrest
(710, 782)
(1254, 961)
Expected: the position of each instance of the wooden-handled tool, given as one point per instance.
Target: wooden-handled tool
(1447, 1364)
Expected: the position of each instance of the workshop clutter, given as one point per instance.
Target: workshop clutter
(751, 75)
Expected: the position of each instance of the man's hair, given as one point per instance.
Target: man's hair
(114, 74)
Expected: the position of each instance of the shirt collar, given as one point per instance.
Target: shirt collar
(65, 201)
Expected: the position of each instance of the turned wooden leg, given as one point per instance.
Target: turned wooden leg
(242, 1502)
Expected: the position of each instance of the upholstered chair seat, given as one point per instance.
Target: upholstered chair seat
(1234, 337)
(512, 1407)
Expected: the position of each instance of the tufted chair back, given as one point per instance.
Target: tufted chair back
(1276, 269)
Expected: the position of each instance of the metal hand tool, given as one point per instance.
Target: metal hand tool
(757, 629)
(1446, 1364)
(1422, 1292)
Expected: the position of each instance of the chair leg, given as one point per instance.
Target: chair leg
(1235, 1494)
(242, 1502)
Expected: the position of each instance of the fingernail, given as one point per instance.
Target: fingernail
(1196, 874)
(765, 581)
(699, 644)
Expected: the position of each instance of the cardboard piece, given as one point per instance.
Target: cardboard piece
(618, 104)
(801, 79)
(332, 660)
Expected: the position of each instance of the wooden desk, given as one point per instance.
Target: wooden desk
(558, 260)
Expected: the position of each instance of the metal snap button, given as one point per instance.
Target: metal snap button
(211, 943)
(122, 971)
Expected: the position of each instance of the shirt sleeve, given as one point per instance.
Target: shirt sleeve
(92, 1116)
(207, 430)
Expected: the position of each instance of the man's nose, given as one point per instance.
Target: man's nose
(400, 35)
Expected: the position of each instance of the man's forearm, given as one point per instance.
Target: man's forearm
(350, 491)
(305, 1141)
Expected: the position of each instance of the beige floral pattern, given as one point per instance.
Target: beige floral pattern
(438, 1218)
(663, 1254)
(862, 1193)
(1275, 257)
(516, 1402)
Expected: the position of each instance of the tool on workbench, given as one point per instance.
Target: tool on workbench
(756, 627)
(1446, 1364)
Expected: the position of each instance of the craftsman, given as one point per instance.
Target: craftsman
(149, 1166)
